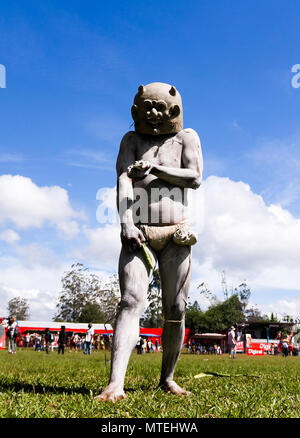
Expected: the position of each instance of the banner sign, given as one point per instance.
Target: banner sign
(252, 351)
(262, 345)
(239, 347)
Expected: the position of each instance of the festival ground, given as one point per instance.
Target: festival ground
(36, 385)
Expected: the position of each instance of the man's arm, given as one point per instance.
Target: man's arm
(190, 175)
(130, 234)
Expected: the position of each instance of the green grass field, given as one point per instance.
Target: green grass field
(35, 385)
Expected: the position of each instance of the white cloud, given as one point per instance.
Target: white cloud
(103, 248)
(25, 205)
(9, 236)
(284, 307)
(68, 229)
(40, 285)
(246, 237)
(35, 254)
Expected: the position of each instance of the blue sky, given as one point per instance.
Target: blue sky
(72, 70)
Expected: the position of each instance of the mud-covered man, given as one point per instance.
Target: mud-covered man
(156, 165)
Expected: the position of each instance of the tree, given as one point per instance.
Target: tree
(92, 312)
(194, 317)
(288, 318)
(19, 308)
(253, 314)
(109, 297)
(206, 292)
(221, 314)
(78, 289)
(84, 297)
(153, 316)
(243, 291)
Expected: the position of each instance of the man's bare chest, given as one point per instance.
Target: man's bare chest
(160, 152)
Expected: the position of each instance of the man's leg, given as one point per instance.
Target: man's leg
(134, 276)
(175, 272)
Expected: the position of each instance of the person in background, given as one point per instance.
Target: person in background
(43, 343)
(56, 336)
(48, 340)
(231, 343)
(62, 340)
(88, 343)
(27, 340)
(38, 340)
(12, 334)
(285, 348)
(52, 341)
(76, 338)
(139, 345)
(72, 343)
(144, 346)
(21, 342)
(149, 345)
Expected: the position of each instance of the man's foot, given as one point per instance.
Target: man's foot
(172, 387)
(111, 394)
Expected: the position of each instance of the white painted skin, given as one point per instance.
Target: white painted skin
(167, 161)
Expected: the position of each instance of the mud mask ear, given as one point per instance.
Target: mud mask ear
(172, 91)
(174, 111)
(134, 112)
(141, 89)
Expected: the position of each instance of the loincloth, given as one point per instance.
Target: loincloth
(158, 237)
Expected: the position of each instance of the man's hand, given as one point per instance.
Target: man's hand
(132, 237)
(139, 169)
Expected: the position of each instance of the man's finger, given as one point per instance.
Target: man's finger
(142, 237)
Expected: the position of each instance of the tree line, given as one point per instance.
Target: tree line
(85, 298)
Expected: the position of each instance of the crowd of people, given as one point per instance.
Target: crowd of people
(48, 340)
(146, 345)
(87, 342)
(285, 349)
(194, 347)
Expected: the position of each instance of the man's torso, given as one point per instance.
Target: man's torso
(163, 203)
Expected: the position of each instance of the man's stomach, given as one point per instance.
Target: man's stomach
(163, 212)
(159, 203)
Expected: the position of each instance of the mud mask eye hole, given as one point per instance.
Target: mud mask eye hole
(148, 105)
(161, 106)
(174, 111)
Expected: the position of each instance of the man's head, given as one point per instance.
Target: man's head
(157, 109)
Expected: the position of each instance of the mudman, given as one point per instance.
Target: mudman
(156, 165)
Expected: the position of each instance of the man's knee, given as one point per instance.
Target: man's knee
(132, 303)
(175, 312)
